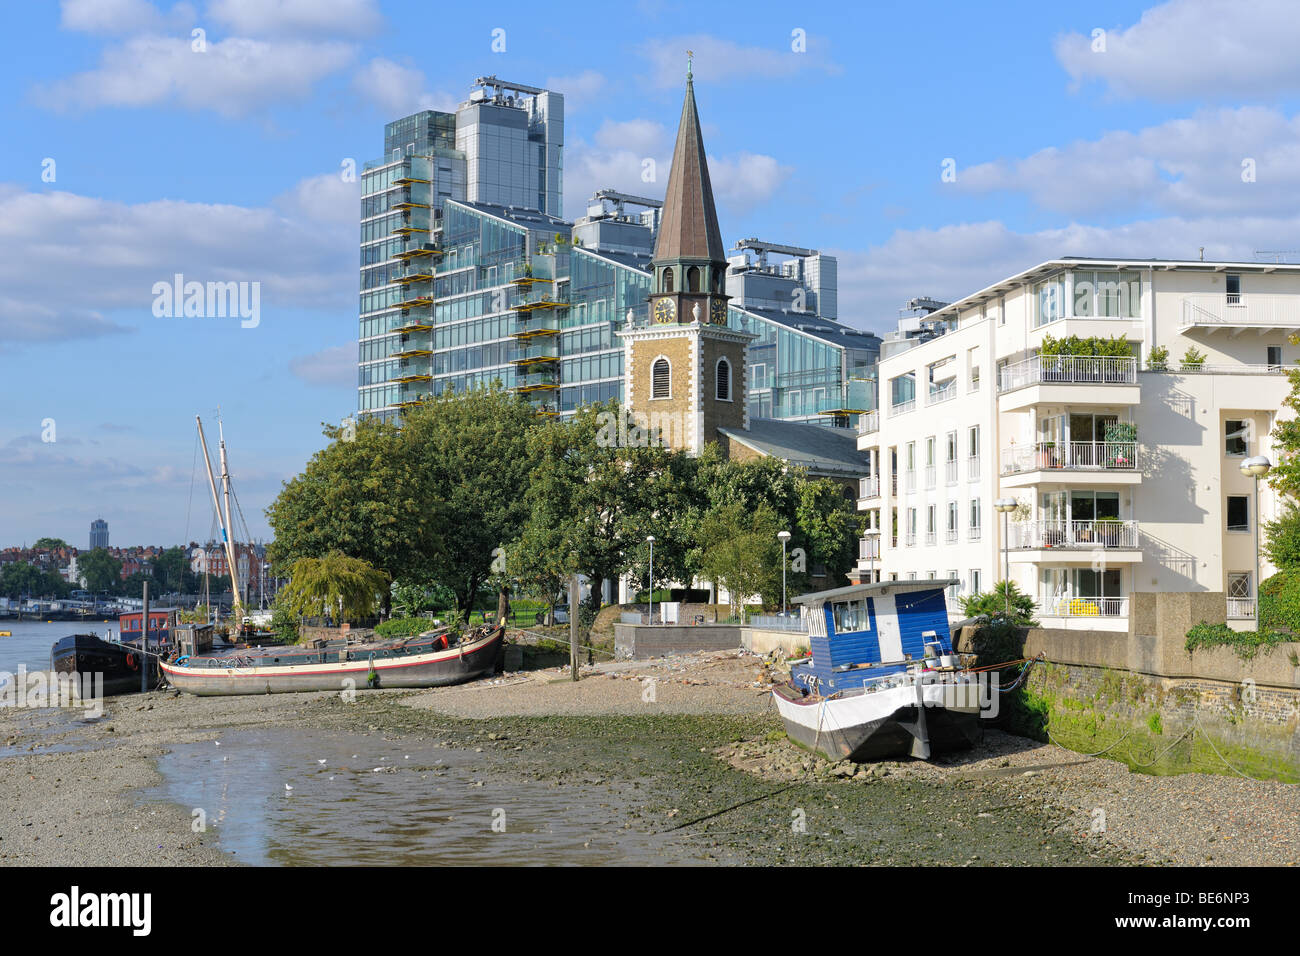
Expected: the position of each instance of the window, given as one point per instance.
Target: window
(1233, 288)
(975, 581)
(851, 616)
(661, 379)
(1238, 513)
(1274, 356)
(723, 378)
(1239, 584)
(974, 518)
(1237, 440)
(668, 280)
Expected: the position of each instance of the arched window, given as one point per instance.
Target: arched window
(661, 379)
(693, 278)
(717, 280)
(668, 280)
(723, 379)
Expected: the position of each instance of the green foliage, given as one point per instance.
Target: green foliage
(1116, 346)
(100, 570)
(1121, 432)
(344, 587)
(1193, 358)
(49, 544)
(1158, 359)
(1279, 602)
(1281, 543)
(403, 626)
(739, 551)
(19, 579)
(993, 604)
(1154, 723)
(1246, 643)
(284, 623)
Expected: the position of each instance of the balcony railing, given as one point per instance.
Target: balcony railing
(901, 408)
(942, 393)
(930, 537)
(1066, 606)
(930, 476)
(1068, 369)
(893, 484)
(869, 548)
(868, 487)
(1242, 310)
(910, 482)
(1085, 535)
(972, 467)
(910, 540)
(1077, 455)
(973, 533)
(950, 536)
(868, 423)
(950, 472)
(1241, 609)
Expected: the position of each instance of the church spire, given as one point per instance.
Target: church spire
(688, 228)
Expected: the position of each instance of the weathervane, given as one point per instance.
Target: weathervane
(690, 57)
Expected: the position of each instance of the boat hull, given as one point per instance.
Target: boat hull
(456, 665)
(913, 720)
(82, 655)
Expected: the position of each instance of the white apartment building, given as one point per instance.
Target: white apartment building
(1127, 479)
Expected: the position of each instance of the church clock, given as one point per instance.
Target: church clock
(665, 311)
(718, 312)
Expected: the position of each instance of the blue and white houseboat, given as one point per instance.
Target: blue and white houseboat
(883, 680)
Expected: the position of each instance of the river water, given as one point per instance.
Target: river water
(30, 641)
(294, 797)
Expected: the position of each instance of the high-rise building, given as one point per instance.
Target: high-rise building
(469, 276)
(1118, 458)
(98, 534)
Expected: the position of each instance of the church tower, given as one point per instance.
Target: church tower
(685, 372)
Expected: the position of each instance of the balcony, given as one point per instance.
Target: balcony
(909, 540)
(1074, 541)
(931, 479)
(972, 467)
(942, 393)
(1241, 609)
(950, 472)
(1066, 606)
(902, 408)
(869, 548)
(869, 423)
(1097, 462)
(930, 538)
(535, 381)
(950, 536)
(534, 354)
(1244, 310)
(868, 488)
(1057, 379)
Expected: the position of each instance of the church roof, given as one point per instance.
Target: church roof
(688, 227)
(822, 449)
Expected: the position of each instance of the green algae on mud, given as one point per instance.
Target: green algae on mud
(670, 763)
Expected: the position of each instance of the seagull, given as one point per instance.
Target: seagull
(321, 762)
(287, 787)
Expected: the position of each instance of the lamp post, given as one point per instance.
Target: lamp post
(650, 539)
(1256, 468)
(1005, 506)
(784, 536)
(873, 536)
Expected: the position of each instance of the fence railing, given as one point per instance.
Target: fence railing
(1066, 606)
(1080, 455)
(1103, 533)
(1242, 309)
(778, 622)
(1241, 608)
(1068, 369)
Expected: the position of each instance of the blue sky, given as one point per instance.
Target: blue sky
(224, 164)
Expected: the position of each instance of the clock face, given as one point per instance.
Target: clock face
(718, 312)
(665, 310)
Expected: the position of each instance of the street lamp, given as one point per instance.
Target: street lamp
(784, 536)
(1256, 468)
(651, 540)
(873, 536)
(1005, 506)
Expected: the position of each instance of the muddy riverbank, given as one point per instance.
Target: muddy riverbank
(676, 761)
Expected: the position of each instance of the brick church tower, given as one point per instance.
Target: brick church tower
(685, 372)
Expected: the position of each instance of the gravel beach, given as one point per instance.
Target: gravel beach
(689, 736)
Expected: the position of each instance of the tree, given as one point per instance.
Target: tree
(1282, 544)
(362, 496)
(594, 494)
(20, 579)
(346, 588)
(471, 459)
(171, 572)
(739, 551)
(49, 544)
(100, 570)
(993, 604)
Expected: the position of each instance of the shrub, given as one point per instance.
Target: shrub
(1193, 358)
(1158, 359)
(404, 627)
(1279, 602)
(993, 604)
(1246, 643)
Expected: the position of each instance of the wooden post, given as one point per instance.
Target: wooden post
(144, 641)
(573, 623)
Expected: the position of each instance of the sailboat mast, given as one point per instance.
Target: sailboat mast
(216, 503)
(230, 542)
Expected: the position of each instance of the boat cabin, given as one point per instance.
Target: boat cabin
(162, 621)
(863, 632)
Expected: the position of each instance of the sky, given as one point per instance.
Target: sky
(933, 147)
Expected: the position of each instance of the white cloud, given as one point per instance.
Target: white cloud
(121, 16)
(718, 60)
(302, 252)
(1193, 48)
(748, 179)
(331, 368)
(1190, 166)
(298, 17)
(326, 198)
(398, 90)
(232, 77)
(579, 90)
(956, 260)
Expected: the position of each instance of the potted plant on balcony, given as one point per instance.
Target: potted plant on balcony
(1158, 359)
(1121, 442)
(1193, 359)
